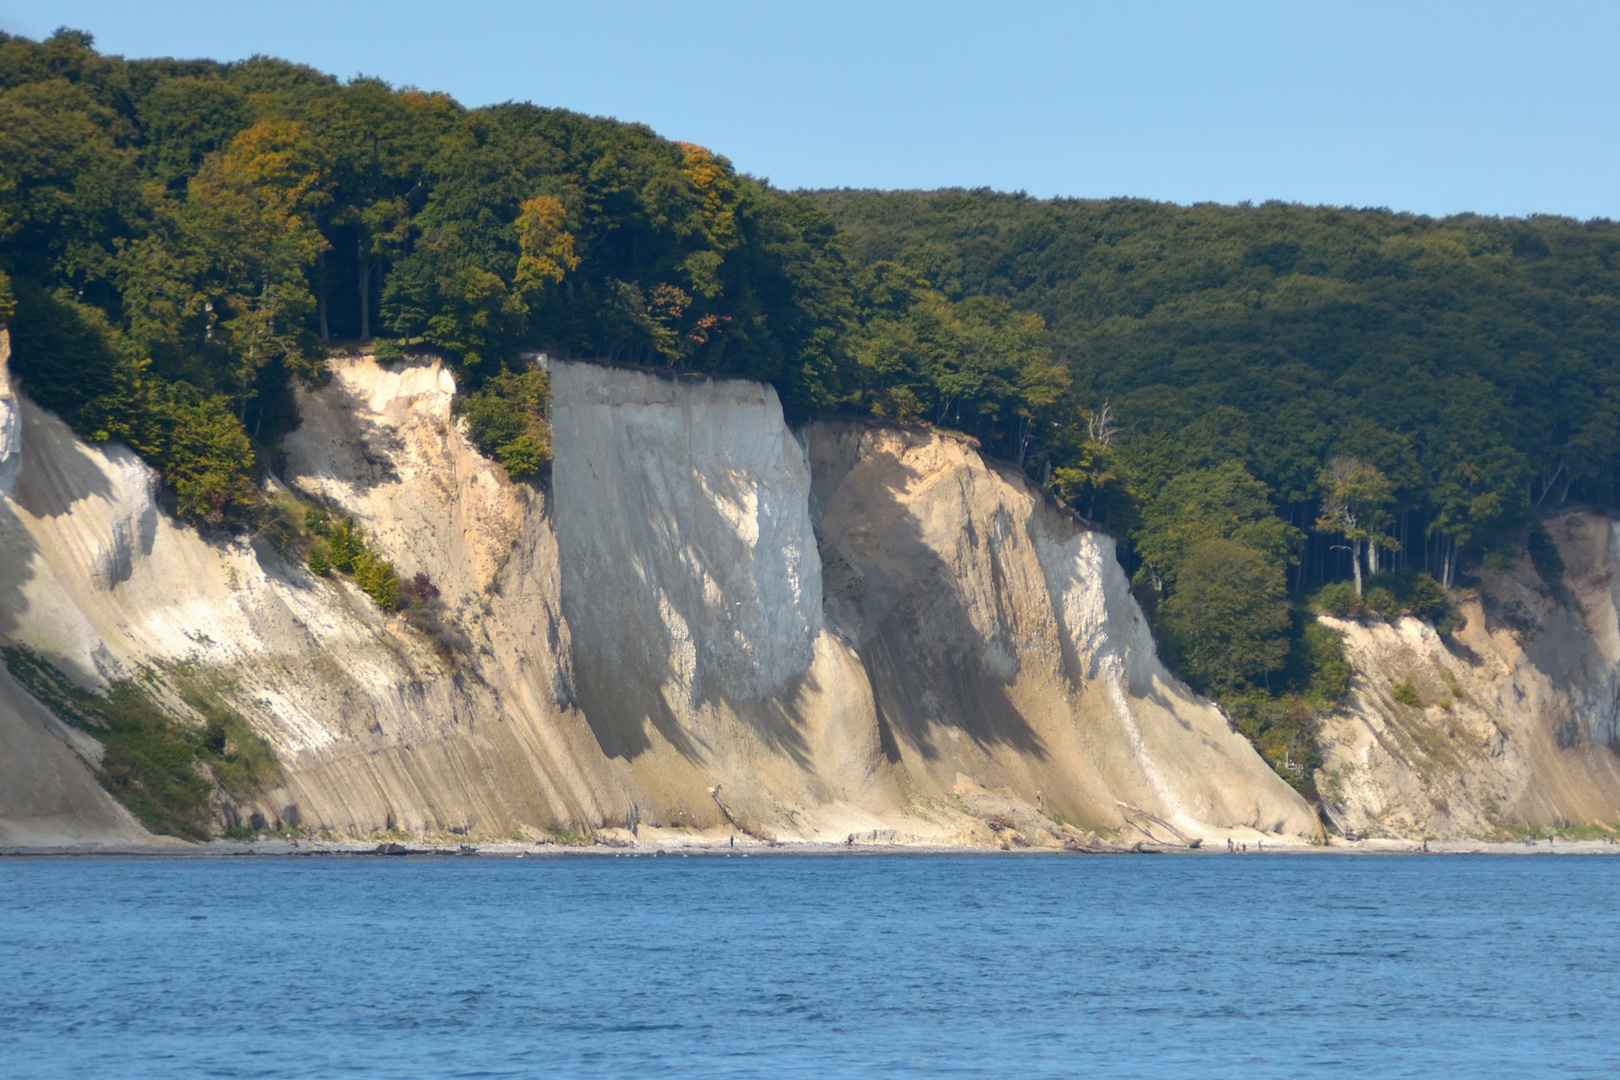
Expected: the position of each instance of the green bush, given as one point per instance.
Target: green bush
(1390, 596)
(1380, 600)
(341, 545)
(1324, 671)
(377, 578)
(507, 419)
(318, 559)
(1406, 693)
(1337, 598)
(1282, 729)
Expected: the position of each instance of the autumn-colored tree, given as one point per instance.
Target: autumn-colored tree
(546, 245)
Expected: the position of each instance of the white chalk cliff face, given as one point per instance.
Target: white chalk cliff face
(47, 793)
(703, 621)
(1007, 653)
(691, 586)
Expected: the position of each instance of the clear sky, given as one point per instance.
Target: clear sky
(1438, 107)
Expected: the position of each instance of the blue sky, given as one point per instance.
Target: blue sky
(1501, 108)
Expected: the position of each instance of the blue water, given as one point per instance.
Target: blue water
(1170, 966)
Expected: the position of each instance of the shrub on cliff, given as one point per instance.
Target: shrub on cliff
(1390, 596)
(506, 418)
(341, 545)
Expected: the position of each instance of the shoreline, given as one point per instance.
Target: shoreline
(680, 847)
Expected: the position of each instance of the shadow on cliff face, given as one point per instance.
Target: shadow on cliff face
(17, 551)
(347, 445)
(932, 668)
(54, 473)
(57, 471)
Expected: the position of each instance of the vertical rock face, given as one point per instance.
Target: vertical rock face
(684, 531)
(691, 585)
(1515, 720)
(1006, 652)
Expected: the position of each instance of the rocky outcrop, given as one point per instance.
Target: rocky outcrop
(1511, 722)
(701, 621)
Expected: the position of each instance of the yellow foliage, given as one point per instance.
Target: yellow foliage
(547, 248)
(715, 184)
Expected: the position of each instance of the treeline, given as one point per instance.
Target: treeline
(185, 239)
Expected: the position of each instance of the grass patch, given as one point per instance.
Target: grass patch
(1406, 693)
(160, 767)
(242, 762)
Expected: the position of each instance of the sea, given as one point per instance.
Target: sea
(1207, 965)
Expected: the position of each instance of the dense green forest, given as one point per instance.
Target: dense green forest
(1261, 402)
(1464, 365)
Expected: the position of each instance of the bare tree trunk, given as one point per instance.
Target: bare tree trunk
(365, 286)
(1372, 557)
(1304, 560)
(320, 277)
(1355, 563)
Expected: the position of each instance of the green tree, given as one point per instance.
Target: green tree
(1219, 503)
(1354, 506)
(1227, 620)
(507, 419)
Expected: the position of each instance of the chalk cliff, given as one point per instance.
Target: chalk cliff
(1006, 651)
(1514, 722)
(702, 621)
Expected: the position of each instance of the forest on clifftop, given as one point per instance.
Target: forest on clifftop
(1262, 402)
